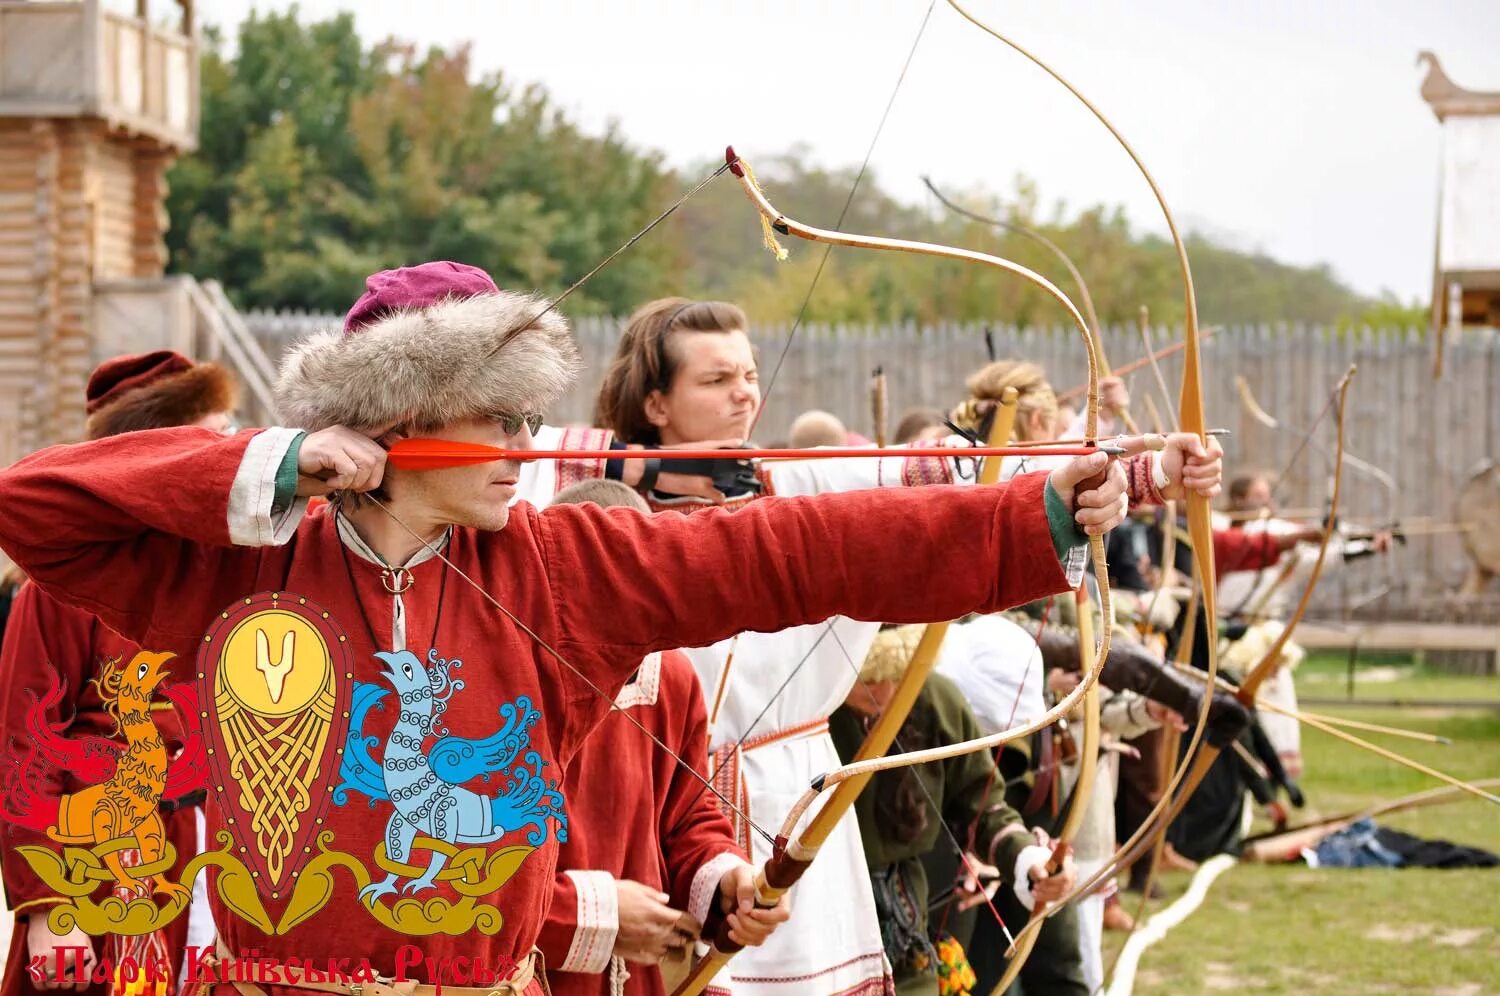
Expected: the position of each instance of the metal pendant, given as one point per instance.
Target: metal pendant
(397, 580)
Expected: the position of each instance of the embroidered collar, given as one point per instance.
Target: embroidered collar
(351, 539)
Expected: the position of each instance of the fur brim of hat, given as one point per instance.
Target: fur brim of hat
(430, 366)
(176, 399)
(891, 653)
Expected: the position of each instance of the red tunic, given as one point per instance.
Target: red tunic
(136, 529)
(1237, 549)
(637, 814)
(43, 635)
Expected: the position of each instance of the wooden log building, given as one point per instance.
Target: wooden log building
(1466, 265)
(94, 106)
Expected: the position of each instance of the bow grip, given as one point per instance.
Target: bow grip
(716, 926)
(716, 930)
(733, 476)
(1091, 483)
(778, 875)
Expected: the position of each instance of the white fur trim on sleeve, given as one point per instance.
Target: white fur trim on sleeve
(1031, 856)
(706, 883)
(598, 922)
(254, 488)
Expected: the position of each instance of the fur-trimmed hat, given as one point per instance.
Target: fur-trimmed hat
(155, 391)
(891, 653)
(429, 345)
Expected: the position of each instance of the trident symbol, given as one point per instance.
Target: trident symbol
(275, 673)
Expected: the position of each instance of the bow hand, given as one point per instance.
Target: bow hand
(1192, 466)
(643, 475)
(1094, 487)
(1044, 873)
(749, 925)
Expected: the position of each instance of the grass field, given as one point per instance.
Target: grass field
(1290, 929)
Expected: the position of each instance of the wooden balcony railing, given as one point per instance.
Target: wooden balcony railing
(72, 58)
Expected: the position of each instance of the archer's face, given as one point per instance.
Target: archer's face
(715, 394)
(1034, 426)
(219, 422)
(478, 495)
(931, 434)
(869, 698)
(1259, 494)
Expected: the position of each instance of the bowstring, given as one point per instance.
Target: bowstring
(797, 324)
(537, 639)
(527, 323)
(1010, 722)
(782, 687)
(1277, 485)
(705, 784)
(839, 224)
(744, 737)
(559, 299)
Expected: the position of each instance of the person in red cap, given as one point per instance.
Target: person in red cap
(550, 613)
(157, 390)
(49, 644)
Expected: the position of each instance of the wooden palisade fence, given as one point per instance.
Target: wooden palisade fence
(1428, 435)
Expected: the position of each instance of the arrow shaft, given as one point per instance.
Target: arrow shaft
(833, 452)
(398, 453)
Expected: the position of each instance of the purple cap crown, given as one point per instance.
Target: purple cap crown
(411, 287)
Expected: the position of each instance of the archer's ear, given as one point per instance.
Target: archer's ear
(1036, 423)
(655, 409)
(392, 435)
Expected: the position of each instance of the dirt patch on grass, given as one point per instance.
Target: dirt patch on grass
(1459, 937)
(1147, 981)
(1402, 933)
(1218, 975)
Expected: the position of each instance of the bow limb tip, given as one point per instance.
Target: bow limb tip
(732, 160)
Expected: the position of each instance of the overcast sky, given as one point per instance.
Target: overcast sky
(1291, 126)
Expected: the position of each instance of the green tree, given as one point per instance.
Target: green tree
(1124, 268)
(322, 160)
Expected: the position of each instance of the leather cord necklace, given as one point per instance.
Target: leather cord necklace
(397, 581)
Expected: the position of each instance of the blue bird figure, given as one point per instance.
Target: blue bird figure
(426, 788)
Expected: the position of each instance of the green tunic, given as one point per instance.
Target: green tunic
(956, 789)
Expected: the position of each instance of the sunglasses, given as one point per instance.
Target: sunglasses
(511, 424)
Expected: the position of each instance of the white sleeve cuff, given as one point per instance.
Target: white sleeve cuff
(1031, 856)
(598, 922)
(706, 883)
(254, 489)
(1075, 564)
